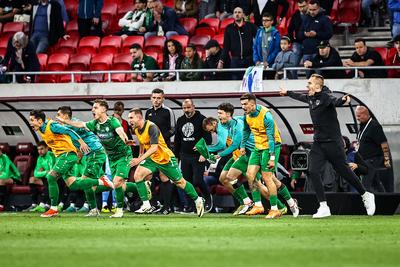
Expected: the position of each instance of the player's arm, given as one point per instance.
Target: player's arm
(298, 96)
(60, 129)
(121, 133)
(236, 140)
(75, 123)
(270, 130)
(40, 169)
(5, 169)
(245, 136)
(222, 136)
(154, 133)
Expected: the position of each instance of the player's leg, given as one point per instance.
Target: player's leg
(34, 184)
(3, 192)
(263, 190)
(145, 169)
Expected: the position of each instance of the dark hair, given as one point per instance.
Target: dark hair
(286, 38)
(38, 114)
(346, 142)
(267, 15)
(142, 1)
(136, 111)
(196, 57)
(118, 105)
(157, 91)
(359, 40)
(227, 107)
(301, 1)
(66, 110)
(248, 96)
(314, 2)
(178, 48)
(102, 102)
(42, 143)
(208, 121)
(136, 46)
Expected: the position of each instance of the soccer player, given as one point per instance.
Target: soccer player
(44, 164)
(112, 136)
(60, 140)
(8, 173)
(259, 121)
(156, 156)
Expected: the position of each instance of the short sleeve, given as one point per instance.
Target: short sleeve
(154, 133)
(115, 124)
(91, 125)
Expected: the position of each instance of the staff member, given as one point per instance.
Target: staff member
(328, 144)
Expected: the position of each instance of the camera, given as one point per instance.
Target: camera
(299, 160)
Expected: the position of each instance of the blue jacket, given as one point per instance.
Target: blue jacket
(88, 9)
(394, 6)
(170, 22)
(274, 46)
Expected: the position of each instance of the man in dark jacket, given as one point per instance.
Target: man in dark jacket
(89, 17)
(238, 42)
(294, 29)
(213, 54)
(327, 57)
(189, 131)
(315, 28)
(328, 144)
(270, 7)
(47, 25)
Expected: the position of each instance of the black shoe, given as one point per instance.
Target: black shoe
(187, 210)
(164, 211)
(208, 204)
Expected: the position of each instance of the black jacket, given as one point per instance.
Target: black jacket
(239, 41)
(323, 113)
(295, 27)
(272, 8)
(29, 58)
(188, 132)
(212, 63)
(332, 60)
(164, 118)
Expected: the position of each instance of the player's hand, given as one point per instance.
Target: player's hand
(59, 119)
(243, 151)
(307, 64)
(217, 156)
(96, 21)
(283, 91)
(353, 166)
(346, 99)
(202, 159)
(130, 142)
(134, 162)
(194, 148)
(84, 148)
(293, 183)
(271, 164)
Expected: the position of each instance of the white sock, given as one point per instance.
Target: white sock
(72, 205)
(290, 202)
(61, 205)
(323, 204)
(247, 201)
(42, 204)
(104, 204)
(275, 207)
(54, 208)
(34, 205)
(258, 204)
(86, 205)
(146, 203)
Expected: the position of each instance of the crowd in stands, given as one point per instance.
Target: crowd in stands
(186, 34)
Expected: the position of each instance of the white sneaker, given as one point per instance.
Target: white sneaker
(246, 208)
(93, 213)
(119, 213)
(369, 203)
(199, 206)
(322, 212)
(295, 209)
(144, 209)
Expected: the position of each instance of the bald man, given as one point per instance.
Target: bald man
(374, 149)
(189, 131)
(328, 144)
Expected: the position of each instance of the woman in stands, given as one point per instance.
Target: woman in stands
(172, 59)
(395, 59)
(192, 60)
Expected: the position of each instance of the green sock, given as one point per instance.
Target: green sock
(236, 195)
(83, 184)
(131, 187)
(256, 195)
(242, 192)
(284, 192)
(119, 195)
(142, 191)
(273, 199)
(53, 190)
(190, 191)
(102, 188)
(91, 198)
(280, 204)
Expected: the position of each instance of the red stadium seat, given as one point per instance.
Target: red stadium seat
(24, 160)
(121, 62)
(169, 3)
(349, 12)
(110, 45)
(211, 22)
(3, 45)
(283, 27)
(130, 40)
(99, 62)
(152, 54)
(224, 24)
(42, 61)
(5, 148)
(72, 8)
(1, 27)
(89, 45)
(382, 51)
(205, 31)
(68, 46)
(155, 43)
(56, 62)
(72, 28)
(109, 13)
(189, 24)
(124, 8)
(199, 41)
(78, 62)
(220, 39)
(12, 27)
(391, 53)
(182, 39)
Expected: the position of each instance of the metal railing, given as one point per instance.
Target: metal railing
(177, 72)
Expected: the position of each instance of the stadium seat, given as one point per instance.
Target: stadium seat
(110, 45)
(169, 3)
(220, 39)
(189, 24)
(42, 61)
(155, 43)
(391, 53)
(199, 41)
(72, 28)
(56, 62)
(68, 46)
(78, 62)
(211, 22)
(349, 12)
(383, 52)
(224, 24)
(72, 8)
(182, 39)
(3, 45)
(89, 45)
(12, 27)
(109, 13)
(121, 62)
(284, 157)
(124, 8)
(205, 31)
(283, 27)
(24, 160)
(5, 148)
(99, 62)
(1, 27)
(130, 40)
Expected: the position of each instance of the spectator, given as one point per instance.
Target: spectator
(44, 164)
(271, 7)
(326, 6)
(21, 56)
(365, 56)
(142, 62)
(266, 44)
(186, 8)
(374, 149)
(64, 13)
(119, 109)
(8, 172)
(8, 9)
(395, 61)
(213, 54)
(315, 28)
(191, 61)
(133, 21)
(294, 29)
(238, 43)
(172, 59)
(225, 8)
(89, 17)
(285, 59)
(207, 8)
(394, 6)
(327, 57)
(366, 12)
(189, 131)
(166, 22)
(47, 25)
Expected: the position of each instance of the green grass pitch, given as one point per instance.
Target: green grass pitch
(185, 240)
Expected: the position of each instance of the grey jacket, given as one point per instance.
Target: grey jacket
(284, 59)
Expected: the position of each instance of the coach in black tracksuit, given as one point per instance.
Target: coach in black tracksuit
(189, 131)
(328, 143)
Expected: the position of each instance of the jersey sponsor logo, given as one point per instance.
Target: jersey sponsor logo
(188, 129)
